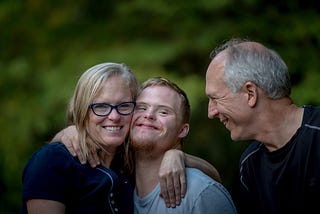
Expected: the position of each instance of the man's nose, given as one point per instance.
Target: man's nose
(150, 114)
(212, 109)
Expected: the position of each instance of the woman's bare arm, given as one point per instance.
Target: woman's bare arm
(172, 175)
(203, 165)
(37, 206)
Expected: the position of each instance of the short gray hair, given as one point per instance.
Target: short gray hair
(262, 66)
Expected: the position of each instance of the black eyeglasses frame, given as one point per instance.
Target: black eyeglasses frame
(92, 106)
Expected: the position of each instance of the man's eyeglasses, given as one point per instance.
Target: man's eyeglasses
(104, 109)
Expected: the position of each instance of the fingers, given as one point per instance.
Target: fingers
(76, 146)
(171, 191)
(179, 186)
(177, 191)
(69, 146)
(173, 188)
(183, 185)
(71, 141)
(163, 192)
(172, 177)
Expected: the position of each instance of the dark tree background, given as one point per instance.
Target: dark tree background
(46, 45)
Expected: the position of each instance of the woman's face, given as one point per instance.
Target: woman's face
(110, 131)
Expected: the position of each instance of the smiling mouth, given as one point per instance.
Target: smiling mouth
(224, 122)
(146, 126)
(112, 128)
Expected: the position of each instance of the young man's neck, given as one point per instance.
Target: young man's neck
(146, 175)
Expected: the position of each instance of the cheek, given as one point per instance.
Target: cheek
(134, 118)
(128, 119)
(231, 104)
(94, 119)
(92, 124)
(222, 107)
(170, 127)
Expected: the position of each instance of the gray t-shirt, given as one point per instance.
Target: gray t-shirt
(204, 195)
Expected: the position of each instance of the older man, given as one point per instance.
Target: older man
(248, 87)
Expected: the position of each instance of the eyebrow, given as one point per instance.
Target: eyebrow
(157, 106)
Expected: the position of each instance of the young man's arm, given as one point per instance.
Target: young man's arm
(69, 137)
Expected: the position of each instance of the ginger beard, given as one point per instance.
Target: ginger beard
(145, 138)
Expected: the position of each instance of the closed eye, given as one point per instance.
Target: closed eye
(140, 107)
(163, 112)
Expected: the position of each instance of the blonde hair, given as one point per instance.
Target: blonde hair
(87, 88)
(160, 81)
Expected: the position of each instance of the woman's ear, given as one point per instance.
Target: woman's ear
(251, 90)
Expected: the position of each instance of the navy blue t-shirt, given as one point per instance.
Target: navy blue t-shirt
(286, 180)
(52, 173)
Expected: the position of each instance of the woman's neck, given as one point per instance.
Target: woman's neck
(106, 157)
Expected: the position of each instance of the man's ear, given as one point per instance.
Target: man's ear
(251, 90)
(184, 130)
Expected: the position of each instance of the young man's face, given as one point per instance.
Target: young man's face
(156, 123)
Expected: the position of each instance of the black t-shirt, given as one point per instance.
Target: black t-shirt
(52, 173)
(286, 180)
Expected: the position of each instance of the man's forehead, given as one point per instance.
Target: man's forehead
(157, 91)
(159, 95)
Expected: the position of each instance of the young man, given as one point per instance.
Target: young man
(248, 87)
(160, 122)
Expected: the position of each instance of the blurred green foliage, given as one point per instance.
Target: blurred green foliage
(46, 45)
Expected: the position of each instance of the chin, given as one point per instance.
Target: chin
(234, 137)
(114, 141)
